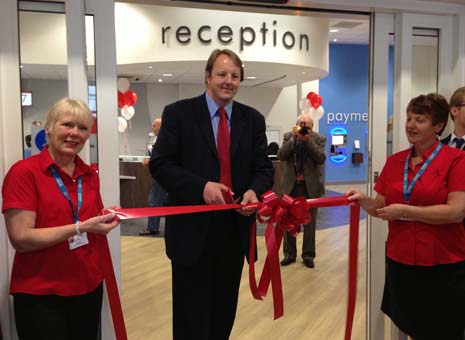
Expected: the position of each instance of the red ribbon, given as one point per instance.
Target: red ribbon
(287, 214)
(113, 294)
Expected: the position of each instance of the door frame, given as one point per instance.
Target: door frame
(11, 119)
(451, 75)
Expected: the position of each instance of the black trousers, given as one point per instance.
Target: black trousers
(53, 317)
(205, 294)
(308, 245)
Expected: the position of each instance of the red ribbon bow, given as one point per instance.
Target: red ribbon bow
(283, 215)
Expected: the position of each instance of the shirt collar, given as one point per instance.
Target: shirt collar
(429, 151)
(45, 161)
(213, 106)
(453, 136)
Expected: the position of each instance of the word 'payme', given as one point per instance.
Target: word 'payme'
(345, 117)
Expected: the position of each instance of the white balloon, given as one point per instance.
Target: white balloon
(316, 114)
(123, 85)
(122, 124)
(128, 112)
(319, 112)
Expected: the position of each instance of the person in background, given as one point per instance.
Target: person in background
(157, 196)
(28, 149)
(52, 209)
(421, 193)
(209, 146)
(302, 156)
(272, 151)
(457, 114)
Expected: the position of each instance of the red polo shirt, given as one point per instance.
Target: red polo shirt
(57, 270)
(417, 243)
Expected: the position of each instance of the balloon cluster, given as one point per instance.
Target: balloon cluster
(126, 99)
(311, 106)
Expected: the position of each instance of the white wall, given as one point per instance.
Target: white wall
(279, 106)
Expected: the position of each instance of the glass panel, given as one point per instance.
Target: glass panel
(92, 89)
(424, 61)
(44, 72)
(390, 116)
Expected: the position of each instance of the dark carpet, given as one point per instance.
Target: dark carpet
(327, 218)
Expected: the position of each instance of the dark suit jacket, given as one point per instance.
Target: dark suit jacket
(185, 158)
(446, 140)
(313, 169)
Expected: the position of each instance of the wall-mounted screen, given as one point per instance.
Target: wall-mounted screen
(26, 98)
(337, 139)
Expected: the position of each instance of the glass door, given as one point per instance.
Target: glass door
(423, 56)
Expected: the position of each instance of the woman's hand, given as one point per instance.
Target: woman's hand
(354, 195)
(391, 212)
(99, 224)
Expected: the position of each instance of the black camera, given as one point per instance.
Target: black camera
(302, 129)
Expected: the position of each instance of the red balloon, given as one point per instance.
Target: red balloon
(310, 95)
(130, 98)
(120, 99)
(317, 101)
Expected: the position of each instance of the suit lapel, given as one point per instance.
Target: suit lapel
(237, 127)
(205, 124)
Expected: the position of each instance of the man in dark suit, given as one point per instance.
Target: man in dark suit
(457, 114)
(302, 156)
(207, 249)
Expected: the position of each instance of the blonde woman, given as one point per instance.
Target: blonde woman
(52, 209)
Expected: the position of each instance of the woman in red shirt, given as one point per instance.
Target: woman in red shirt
(421, 193)
(52, 208)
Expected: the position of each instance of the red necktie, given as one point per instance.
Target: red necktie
(223, 147)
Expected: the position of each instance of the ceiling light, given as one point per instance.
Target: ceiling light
(333, 30)
(334, 40)
(21, 66)
(167, 74)
(150, 67)
(160, 80)
(251, 77)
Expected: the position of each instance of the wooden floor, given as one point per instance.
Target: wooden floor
(314, 299)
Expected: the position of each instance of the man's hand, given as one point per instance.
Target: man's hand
(146, 161)
(248, 197)
(213, 193)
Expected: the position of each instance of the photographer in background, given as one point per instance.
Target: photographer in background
(302, 155)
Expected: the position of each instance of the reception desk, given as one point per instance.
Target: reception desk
(135, 182)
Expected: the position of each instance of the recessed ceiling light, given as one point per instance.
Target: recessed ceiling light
(160, 80)
(303, 72)
(150, 66)
(167, 74)
(333, 30)
(251, 77)
(21, 66)
(334, 40)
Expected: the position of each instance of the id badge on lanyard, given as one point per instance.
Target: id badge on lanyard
(75, 241)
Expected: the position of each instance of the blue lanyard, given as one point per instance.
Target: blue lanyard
(65, 192)
(408, 188)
